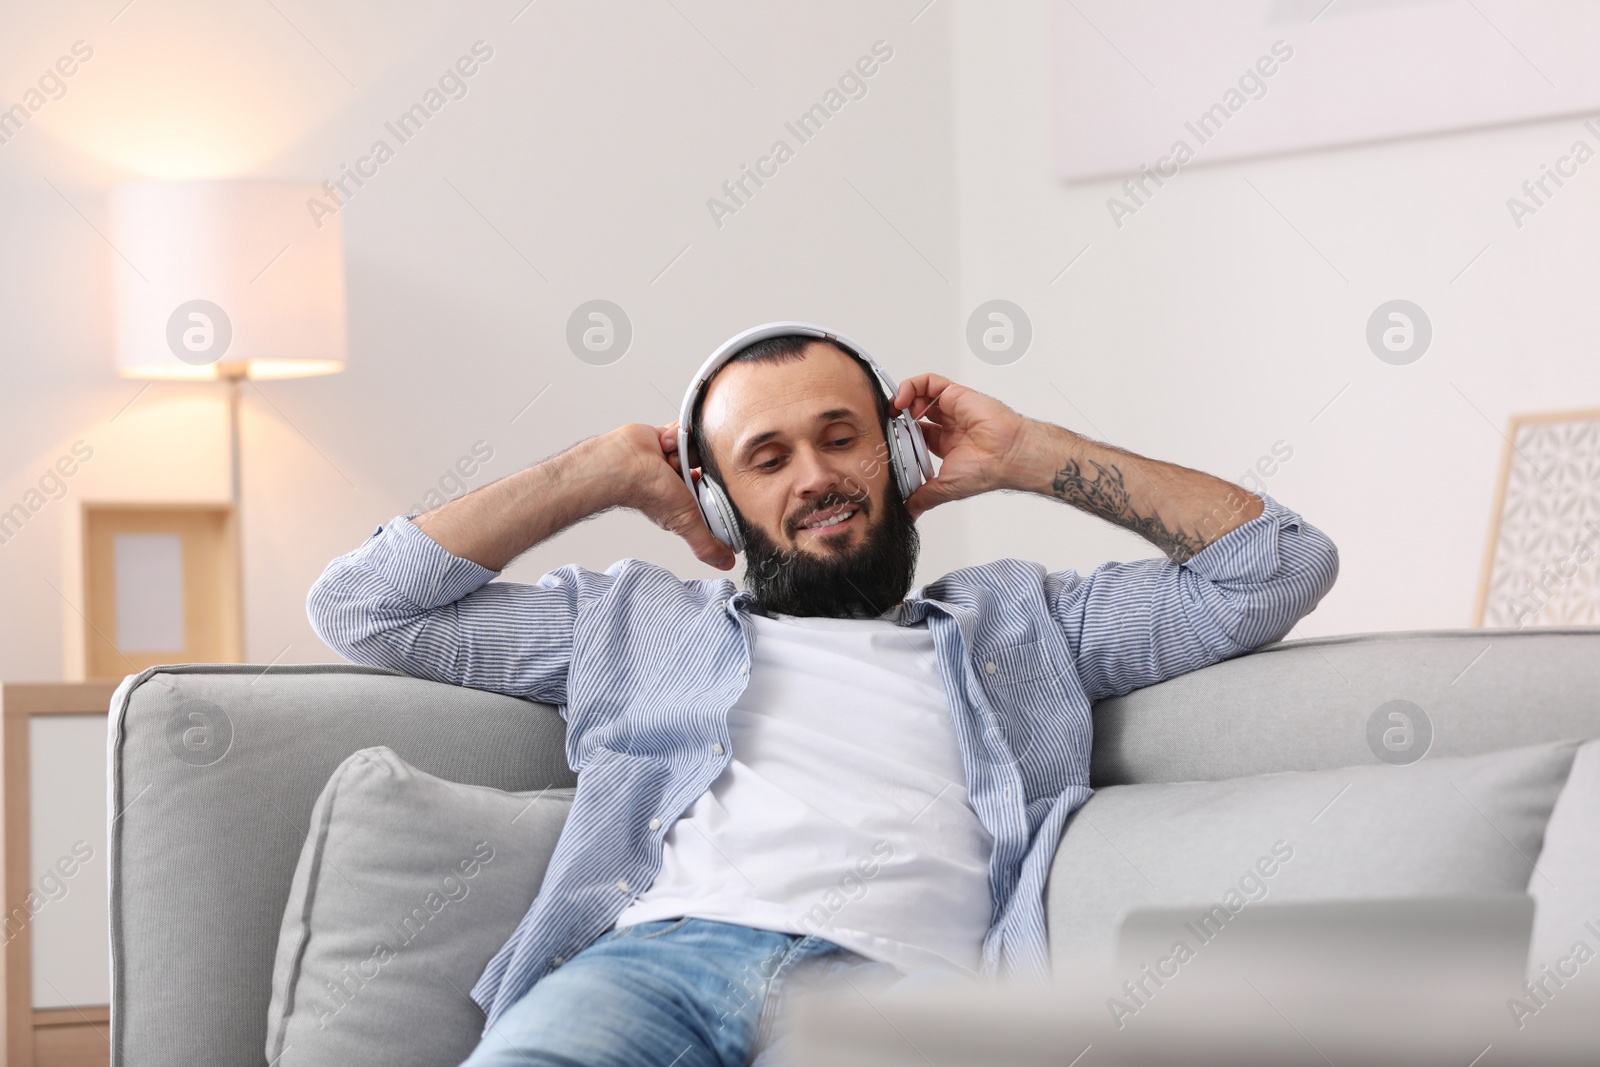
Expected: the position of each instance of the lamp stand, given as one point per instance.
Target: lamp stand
(234, 374)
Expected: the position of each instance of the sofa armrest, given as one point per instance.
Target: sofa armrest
(213, 773)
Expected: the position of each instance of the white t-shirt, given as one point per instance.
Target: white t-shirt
(843, 811)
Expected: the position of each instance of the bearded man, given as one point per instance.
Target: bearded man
(825, 774)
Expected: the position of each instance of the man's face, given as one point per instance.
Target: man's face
(799, 449)
(801, 453)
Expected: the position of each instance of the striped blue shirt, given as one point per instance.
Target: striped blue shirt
(644, 667)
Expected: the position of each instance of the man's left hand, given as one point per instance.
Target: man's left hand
(975, 437)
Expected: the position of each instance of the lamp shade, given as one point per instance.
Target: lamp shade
(226, 278)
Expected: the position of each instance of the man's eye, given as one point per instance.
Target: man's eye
(771, 464)
(843, 441)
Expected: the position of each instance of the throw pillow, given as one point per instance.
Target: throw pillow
(1437, 827)
(405, 888)
(1566, 883)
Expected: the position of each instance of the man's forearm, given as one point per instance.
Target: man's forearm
(1177, 509)
(494, 525)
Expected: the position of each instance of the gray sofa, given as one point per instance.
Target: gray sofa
(214, 771)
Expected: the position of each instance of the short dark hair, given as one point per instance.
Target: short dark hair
(787, 348)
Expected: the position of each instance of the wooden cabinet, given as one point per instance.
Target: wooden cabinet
(77, 1035)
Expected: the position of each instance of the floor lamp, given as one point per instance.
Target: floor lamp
(226, 281)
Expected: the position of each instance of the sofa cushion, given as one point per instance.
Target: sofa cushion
(1566, 883)
(405, 888)
(1438, 827)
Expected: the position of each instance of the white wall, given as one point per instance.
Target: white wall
(590, 143)
(1205, 329)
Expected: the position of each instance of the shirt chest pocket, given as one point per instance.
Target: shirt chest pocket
(1008, 666)
(1021, 687)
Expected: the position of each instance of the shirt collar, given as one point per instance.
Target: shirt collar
(911, 611)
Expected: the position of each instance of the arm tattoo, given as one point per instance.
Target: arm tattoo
(1106, 495)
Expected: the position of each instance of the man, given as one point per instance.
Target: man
(818, 774)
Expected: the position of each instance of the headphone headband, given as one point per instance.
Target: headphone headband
(738, 343)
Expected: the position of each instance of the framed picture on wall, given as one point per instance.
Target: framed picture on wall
(161, 585)
(1240, 79)
(1542, 567)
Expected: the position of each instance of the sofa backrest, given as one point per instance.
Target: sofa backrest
(214, 771)
(1308, 705)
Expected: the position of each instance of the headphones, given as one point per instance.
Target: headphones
(908, 452)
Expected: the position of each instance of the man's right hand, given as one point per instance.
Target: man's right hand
(646, 459)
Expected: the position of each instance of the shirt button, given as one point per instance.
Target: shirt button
(989, 667)
(655, 824)
(622, 886)
(744, 668)
(558, 961)
(717, 748)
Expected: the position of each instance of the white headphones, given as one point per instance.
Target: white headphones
(908, 452)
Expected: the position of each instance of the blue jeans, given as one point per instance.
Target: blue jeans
(674, 993)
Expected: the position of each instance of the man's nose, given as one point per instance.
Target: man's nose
(816, 475)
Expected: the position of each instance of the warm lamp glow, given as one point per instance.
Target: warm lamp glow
(255, 369)
(222, 279)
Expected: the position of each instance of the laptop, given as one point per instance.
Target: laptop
(1359, 983)
(1448, 945)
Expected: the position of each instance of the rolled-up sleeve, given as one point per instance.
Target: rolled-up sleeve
(1131, 625)
(403, 602)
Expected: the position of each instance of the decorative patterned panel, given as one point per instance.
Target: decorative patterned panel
(1544, 554)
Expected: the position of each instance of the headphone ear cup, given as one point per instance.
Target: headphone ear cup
(908, 454)
(718, 513)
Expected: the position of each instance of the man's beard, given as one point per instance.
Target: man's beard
(861, 583)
